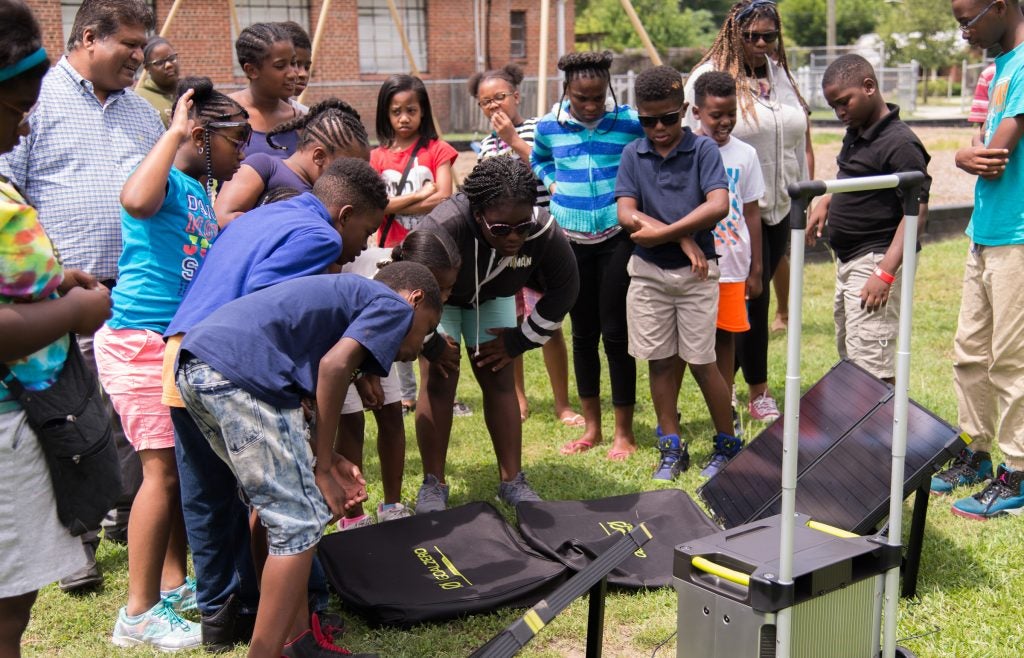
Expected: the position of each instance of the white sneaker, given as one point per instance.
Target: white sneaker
(160, 626)
(396, 511)
(763, 408)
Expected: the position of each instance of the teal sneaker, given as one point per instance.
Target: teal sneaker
(969, 468)
(675, 458)
(183, 597)
(726, 447)
(160, 626)
(1003, 495)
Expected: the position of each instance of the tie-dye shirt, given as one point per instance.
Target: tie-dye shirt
(30, 271)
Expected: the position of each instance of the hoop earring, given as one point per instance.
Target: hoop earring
(200, 150)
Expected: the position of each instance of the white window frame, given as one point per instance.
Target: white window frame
(380, 48)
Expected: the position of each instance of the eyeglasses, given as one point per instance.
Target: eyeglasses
(495, 100)
(966, 27)
(767, 37)
(170, 59)
(667, 120)
(240, 143)
(503, 230)
(25, 114)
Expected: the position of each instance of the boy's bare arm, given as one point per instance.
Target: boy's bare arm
(875, 292)
(339, 480)
(752, 216)
(989, 161)
(704, 216)
(630, 218)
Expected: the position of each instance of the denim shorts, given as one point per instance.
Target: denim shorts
(268, 451)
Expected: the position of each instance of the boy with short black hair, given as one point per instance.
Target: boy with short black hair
(244, 373)
(866, 228)
(671, 190)
(738, 236)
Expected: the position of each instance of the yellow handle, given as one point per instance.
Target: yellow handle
(731, 575)
(838, 532)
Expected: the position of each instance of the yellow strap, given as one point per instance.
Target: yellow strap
(731, 575)
(838, 532)
(533, 620)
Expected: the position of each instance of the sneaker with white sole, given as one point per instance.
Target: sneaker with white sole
(517, 490)
(764, 409)
(345, 523)
(1003, 495)
(392, 512)
(160, 627)
(432, 496)
(183, 597)
(461, 410)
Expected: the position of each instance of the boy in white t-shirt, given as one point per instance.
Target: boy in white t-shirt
(738, 236)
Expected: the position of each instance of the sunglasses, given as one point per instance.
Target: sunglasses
(240, 143)
(504, 230)
(767, 37)
(495, 100)
(966, 27)
(667, 120)
(768, 5)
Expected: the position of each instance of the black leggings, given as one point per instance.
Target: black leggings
(752, 346)
(600, 313)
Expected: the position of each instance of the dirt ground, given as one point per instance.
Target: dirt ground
(949, 184)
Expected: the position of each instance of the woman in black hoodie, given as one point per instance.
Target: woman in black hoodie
(506, 244)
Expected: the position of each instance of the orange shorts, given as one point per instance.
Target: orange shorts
(732, 307)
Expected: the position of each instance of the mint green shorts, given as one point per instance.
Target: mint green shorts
(458, 322)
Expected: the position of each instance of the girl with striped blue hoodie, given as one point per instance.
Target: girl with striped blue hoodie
(576, 153)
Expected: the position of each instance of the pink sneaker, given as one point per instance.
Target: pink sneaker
(763, 408)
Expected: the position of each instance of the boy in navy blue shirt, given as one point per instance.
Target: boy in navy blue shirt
(671, 191)
(244, 373)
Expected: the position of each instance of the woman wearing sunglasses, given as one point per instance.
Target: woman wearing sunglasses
(506, 243)
(773, 118)
(168, 224)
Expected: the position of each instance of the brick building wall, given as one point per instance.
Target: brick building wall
(202, 34)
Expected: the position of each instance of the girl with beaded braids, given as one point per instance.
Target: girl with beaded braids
(589, 137)
(773, 118)
(330, 130)
(506, 243)
(167, 226)
(266, 54)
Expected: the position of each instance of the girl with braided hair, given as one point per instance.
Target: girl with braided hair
(773, 118)
(590, 137)
(497, 94)
(506, 243)
(167, 226)
(266, 54)
(331, 130)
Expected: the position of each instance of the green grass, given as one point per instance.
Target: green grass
(970, 581)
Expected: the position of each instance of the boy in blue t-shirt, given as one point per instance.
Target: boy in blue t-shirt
(244, 373)
(671, 190)
(989, 347)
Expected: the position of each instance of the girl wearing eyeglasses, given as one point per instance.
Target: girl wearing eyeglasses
(497, 94)
(773, 118)
(160, 87)
(168, 224)
(506, 243)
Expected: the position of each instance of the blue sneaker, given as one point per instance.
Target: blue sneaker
(675, 458)
(726, 447)
(160, 626)
(1003, 495)
(183, 597)
(969, 468)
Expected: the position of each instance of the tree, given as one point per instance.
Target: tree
(922, 30)
(804, 20)
(667, 25)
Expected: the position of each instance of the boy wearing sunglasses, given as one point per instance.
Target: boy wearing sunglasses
(671, 190)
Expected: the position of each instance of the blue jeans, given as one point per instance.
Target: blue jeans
(217, 526)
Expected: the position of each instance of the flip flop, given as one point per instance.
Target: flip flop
(617, 455)
(575, 420)
(576, 447)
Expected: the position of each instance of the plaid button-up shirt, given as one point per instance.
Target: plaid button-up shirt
(75, 161)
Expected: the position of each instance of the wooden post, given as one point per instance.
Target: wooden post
(641, 32)
(236, 25)
(542, 59)
(163, 32)
(318, 36)
(408, 54)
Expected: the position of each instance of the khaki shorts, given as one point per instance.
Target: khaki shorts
(671, 312)
(866, 338)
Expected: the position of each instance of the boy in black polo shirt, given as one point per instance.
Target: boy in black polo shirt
(866, 228)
